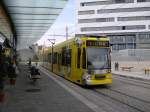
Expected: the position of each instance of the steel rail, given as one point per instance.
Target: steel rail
(110, 93)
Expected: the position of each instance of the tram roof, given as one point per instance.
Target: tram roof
(32, 18)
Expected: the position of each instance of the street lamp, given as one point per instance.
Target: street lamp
(52, 41)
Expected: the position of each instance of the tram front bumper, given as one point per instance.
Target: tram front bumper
(99, 82)
(97, 79)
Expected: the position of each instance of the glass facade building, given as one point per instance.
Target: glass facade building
(125, 22)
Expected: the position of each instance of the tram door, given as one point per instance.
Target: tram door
(83, 58)
(78, 74)
(59, 62)
(68, 61)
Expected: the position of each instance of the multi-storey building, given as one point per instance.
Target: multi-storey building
(126, 22)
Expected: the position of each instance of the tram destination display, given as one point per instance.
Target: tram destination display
(97, 43)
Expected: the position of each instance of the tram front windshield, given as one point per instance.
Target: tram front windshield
(98, 58)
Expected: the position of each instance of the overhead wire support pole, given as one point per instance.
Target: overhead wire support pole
(66, 32)
(43, 48)
(52, 41)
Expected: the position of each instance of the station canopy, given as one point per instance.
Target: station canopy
(5, 27)
(32, 18)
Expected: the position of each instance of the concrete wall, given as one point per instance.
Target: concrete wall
(131, 55)
(137, 66)
(139, 59)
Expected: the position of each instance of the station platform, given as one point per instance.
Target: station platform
(44, 96)
(137, 70)
(132, 74)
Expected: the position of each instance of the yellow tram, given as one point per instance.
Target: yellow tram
(84, 60)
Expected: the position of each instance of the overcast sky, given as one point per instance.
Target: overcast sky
(66, 18)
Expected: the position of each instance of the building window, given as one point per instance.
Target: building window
(100, 28)
(109, 28)
(122, 39)
(86, 12)
(129, 39)
(138, 9)
(104, 19)
(95, 20)
(117, 39)
(141, 0)
(144, 36)
(123, 1)
(115, 47)
(120, 1)
(120, 42)
(95, 3)
(123, 27)
(121, 46)
(83, 4)
(135, 27)
(130, 46)
(133, 18)
(86, 20)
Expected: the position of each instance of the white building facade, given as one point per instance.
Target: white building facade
(126, 22)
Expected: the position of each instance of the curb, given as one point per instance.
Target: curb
(132, 77)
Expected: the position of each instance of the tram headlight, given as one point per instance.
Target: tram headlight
(87, 76)
(108, 71)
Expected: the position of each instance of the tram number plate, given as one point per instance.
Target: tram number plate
(99, 76)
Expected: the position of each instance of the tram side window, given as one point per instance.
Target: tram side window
(68, 57)
(63, 57)
(49, 57)
(46, 58)
(55, 58)
(78, 58)
(59, 58)
(84, 59)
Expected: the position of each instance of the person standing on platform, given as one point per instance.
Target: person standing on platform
(3, 71)
(29, 62)
(12, 72)
(117, 66)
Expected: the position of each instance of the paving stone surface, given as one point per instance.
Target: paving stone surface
(44, 96)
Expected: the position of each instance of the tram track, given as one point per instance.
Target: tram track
(130, 79)
(131, 101)
(134, 82)
(99, 103)
(122, 98)
(110, 99)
